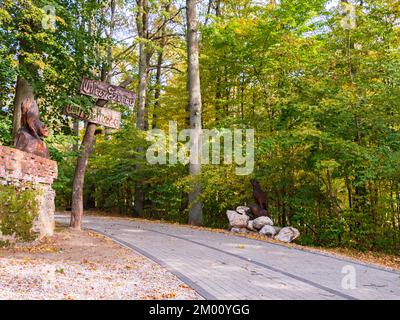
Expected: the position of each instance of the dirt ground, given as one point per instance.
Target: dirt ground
(84, 265)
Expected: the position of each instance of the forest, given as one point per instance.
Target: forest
(318, 81)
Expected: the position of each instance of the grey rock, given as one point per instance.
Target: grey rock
(243, 210)
(237, 220)
(287, 234)
(261, 222)
(250, 226)
(268, 230)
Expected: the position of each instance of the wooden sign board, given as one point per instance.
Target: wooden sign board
(108, 92)
(102, 116)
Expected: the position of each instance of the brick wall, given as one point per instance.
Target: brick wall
(19, 165)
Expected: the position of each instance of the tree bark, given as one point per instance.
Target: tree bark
(160, 60)
(144, 61)
(157, 90)
(110, 34)
(79, 177)
(242, 97)
(195, 205)
(80, 169)
(142, 26)
(75, 146)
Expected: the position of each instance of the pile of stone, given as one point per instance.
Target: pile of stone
(241, 221)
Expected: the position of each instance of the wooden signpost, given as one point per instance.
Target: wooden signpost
(100, 115)
(108, 92)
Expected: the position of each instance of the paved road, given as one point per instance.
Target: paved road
(221, 266)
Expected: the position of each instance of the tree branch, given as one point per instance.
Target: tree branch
(165, 22)
(167, 67)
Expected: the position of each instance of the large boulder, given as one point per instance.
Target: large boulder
(243, 210)
(287, 234)
(268, 230)
(237, 220)
(260, 222)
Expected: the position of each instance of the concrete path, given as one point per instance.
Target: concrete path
(221, 266)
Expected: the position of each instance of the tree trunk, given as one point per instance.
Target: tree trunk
(157, 89)
(349, 192)
(79, 177)
(144, 60)
(242, 97)
(227, 92)
(160, 60)
(142, 25)
(107, 131)
(195, 205)
(23, 90)
(392, 206)
(75, 146)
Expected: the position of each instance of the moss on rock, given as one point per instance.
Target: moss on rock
(18, 210)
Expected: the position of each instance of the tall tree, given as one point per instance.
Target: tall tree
(89, 137)
(142, 23)
(160, 60)
(195, 205)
